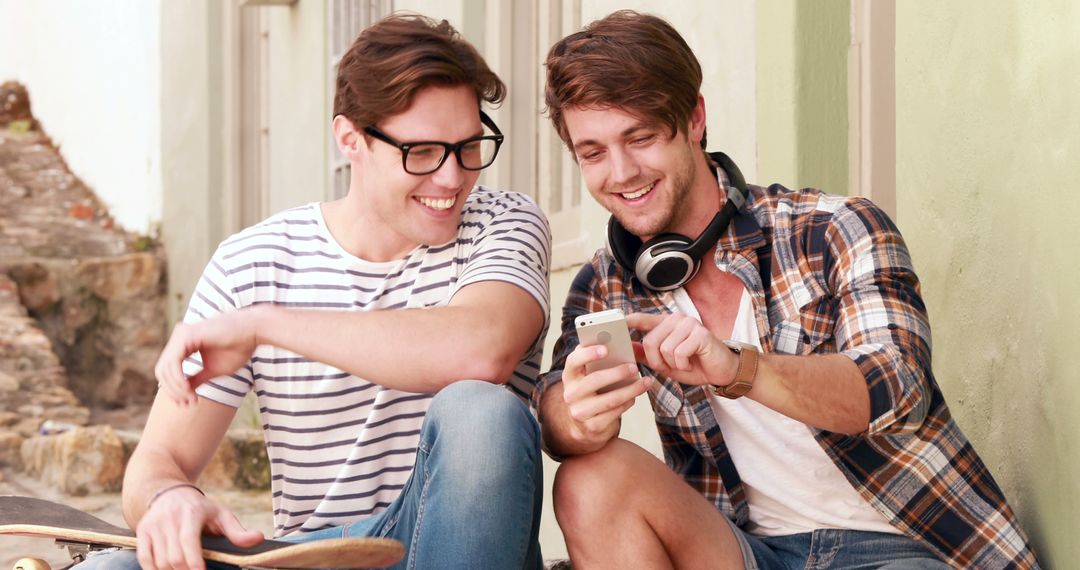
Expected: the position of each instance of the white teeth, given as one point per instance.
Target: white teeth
(444, 204)
(638, 193)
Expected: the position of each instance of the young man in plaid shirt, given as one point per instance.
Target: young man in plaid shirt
(789, 372)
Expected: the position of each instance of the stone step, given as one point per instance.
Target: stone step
(89, 460)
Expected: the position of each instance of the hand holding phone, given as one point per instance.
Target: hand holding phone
(609, 329)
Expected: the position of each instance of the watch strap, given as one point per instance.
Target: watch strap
(744, 373)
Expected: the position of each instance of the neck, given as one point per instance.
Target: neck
(350, 224)
(704, 199)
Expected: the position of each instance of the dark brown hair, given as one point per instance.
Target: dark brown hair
(632, 61)
(396, 57)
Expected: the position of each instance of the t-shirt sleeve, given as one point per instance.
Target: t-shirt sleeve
(514, 246)
(214, 295)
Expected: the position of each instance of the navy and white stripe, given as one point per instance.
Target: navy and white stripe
(341, 448)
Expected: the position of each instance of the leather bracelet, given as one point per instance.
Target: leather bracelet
(170, 488)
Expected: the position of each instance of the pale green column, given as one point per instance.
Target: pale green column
(802, 93)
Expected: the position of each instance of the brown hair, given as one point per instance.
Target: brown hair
(396, 57)
(636, 62)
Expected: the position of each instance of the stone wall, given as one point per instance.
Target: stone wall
(104, 318)
(33, 385)
(82, 321)
(88, 460)
(96, 291)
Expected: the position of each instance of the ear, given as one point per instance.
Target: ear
(349, 140)
(697, 121)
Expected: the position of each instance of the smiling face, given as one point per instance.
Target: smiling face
(637, 170)
(398, 211)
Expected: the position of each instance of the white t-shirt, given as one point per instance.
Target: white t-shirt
(341, 448)
(791, 484)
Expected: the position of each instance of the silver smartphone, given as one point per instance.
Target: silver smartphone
(609, 329)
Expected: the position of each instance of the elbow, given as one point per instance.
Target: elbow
(857, 425)
(501, 371)
(488, 367)
(905, 419)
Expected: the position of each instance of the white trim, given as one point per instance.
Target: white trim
(247, 3)
(231, 89)
(872, 102)
(345, 19)
(245, 114)
(534, 160)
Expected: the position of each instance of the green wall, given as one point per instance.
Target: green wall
(802, 93)
(988, 155)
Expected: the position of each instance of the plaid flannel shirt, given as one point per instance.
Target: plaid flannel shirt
(829, 274)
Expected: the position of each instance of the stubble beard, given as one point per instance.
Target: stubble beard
(682, 178)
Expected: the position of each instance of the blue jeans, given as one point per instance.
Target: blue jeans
(473, 500)
(835, 548)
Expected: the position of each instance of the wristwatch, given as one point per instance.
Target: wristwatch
(744, 374)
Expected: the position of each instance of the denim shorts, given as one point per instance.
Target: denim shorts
(835, 548)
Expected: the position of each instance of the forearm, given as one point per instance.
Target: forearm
(562, 435)
(416, 350)
(828, 392)
(147, 473)
(168, 456)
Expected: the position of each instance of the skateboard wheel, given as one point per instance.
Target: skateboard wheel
(31, 564)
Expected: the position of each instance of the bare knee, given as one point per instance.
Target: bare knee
(590, 488)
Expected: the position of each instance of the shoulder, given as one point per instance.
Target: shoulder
(293, 231)
(486, 208)
(486, 204)
(811, 210)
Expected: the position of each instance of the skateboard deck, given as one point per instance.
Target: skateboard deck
(37, 517)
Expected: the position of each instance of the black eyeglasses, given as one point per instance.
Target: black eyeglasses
(425, 157)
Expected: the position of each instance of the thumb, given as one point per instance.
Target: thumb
(202, 376)
(236, 533)
(643, 322)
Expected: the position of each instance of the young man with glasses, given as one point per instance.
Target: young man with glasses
(391, 337)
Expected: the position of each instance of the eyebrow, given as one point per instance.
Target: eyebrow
(626, 133)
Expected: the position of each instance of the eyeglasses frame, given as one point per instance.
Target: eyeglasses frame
(448, 148)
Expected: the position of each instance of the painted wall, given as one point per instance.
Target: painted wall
(988, 154)
(297, 117)
(191, 108)
(92, 70)
(802, 113)
(300, 101)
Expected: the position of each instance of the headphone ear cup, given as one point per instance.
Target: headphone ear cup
(664, 263)
(623, 245)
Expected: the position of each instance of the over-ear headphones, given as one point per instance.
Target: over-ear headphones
(669, 260)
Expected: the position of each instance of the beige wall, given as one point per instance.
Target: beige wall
(988, 154)
(191, 143)
(299, 100)
(196, 126)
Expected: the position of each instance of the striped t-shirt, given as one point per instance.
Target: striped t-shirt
(341, 448)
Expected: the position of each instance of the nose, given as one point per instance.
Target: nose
(450, 174)
(623, 167)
